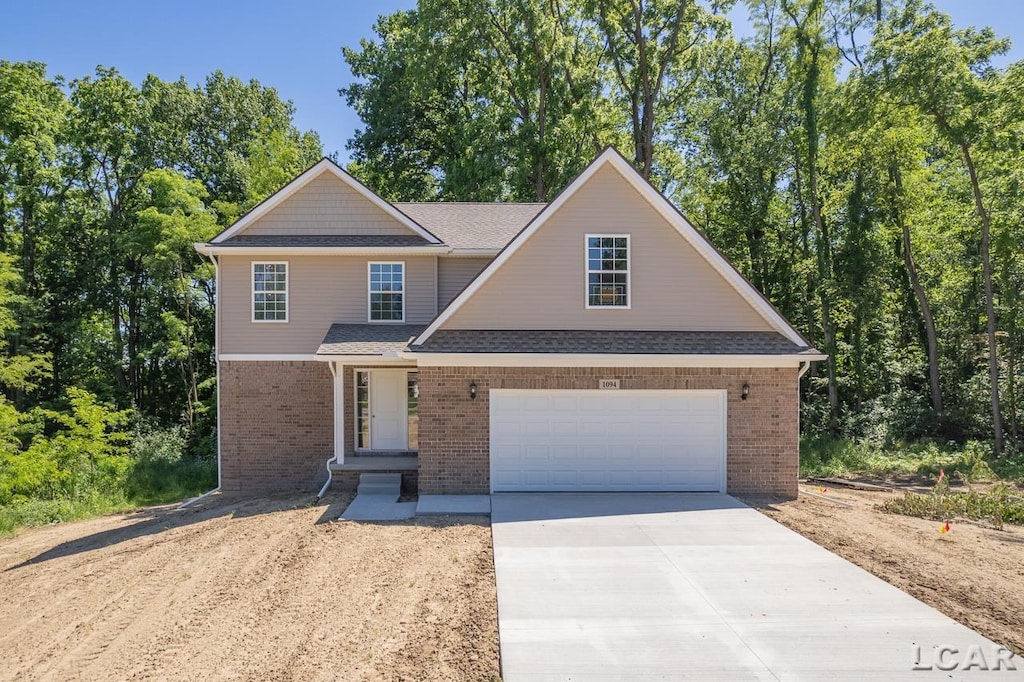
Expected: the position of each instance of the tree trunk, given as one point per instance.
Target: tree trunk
(824, 277)
(920, 294)
(990, 308)
(1011, 388)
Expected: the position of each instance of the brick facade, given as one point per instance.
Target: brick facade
(763, 433)
(277, 422)
(277, 425)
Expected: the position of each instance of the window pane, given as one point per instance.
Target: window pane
(607, 268)
(414, 410)
(269, 286)
(386, 287)
(362, 410)
(386, 306)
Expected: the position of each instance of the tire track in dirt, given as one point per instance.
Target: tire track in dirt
(249, 590)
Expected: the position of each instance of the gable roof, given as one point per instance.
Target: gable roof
(325, 165)
(472, 225)
(672, 215)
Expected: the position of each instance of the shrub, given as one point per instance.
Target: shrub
(998, 505)
(89, 464)
(822, 456)
(164, 468)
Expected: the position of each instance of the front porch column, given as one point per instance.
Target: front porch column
(338, 370)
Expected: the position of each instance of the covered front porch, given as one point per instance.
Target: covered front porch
(376, 398)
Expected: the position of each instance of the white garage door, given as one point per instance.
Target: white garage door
(607, 440)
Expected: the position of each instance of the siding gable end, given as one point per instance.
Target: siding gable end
(325, 201)
(678, 280)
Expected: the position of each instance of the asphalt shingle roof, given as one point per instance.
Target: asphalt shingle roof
(368, 339)
(326, 240)
(600, 342)
(471, 225)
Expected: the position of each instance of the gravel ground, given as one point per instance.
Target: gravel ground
(249, 589)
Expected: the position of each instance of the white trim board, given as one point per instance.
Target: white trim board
(267, 251)
(325, 165)
(393, 359)
(667, 211)
(603, 360)
(266, 357)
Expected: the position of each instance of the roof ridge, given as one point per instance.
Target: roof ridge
(471, 203)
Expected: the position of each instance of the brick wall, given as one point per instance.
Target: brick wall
(763, 431)
(277, 425)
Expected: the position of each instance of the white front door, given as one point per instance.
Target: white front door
(594, 440)
(388, 410)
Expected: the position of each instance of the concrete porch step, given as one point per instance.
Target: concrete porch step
(380, 484)
(377, 463)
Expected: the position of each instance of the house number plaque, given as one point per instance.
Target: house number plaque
(608, 383)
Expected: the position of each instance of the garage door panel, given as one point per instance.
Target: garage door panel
(607, 440)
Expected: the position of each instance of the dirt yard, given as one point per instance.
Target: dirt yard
(257, 590)
(971, 573)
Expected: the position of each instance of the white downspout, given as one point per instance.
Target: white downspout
(216, 349)
(804, 366)
(334, 458)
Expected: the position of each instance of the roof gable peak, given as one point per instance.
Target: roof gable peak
(324, 165)
(612, 157)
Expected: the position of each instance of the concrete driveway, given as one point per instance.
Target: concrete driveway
(698, 586)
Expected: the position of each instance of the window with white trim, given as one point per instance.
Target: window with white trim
(607, 271)
(387, 292)
(270, 292)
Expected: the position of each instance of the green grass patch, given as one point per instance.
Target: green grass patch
(973, 461)
(30, 513)
(149, 482)
(998, 505)
(85, 461)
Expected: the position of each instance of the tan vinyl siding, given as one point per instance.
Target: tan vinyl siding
(321, 290)
(542, 286)
(326, 206)
(454, 273)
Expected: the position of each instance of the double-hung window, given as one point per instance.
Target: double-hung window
(387, 292)
(607, 271)
(270, 292)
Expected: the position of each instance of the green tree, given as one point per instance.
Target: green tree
(654, 50)
(945, 74)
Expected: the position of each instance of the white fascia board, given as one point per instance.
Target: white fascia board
(602, 360)
(667, 211)
(325, 165)
(474, 252)
(365, 359)
(266, 357)
(270, 251)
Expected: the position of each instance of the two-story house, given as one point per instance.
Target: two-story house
(594, 343)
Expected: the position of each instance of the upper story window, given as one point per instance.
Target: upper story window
(387, 292)
(607, 271)
(270, 292)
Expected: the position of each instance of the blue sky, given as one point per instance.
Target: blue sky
(294, 47)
